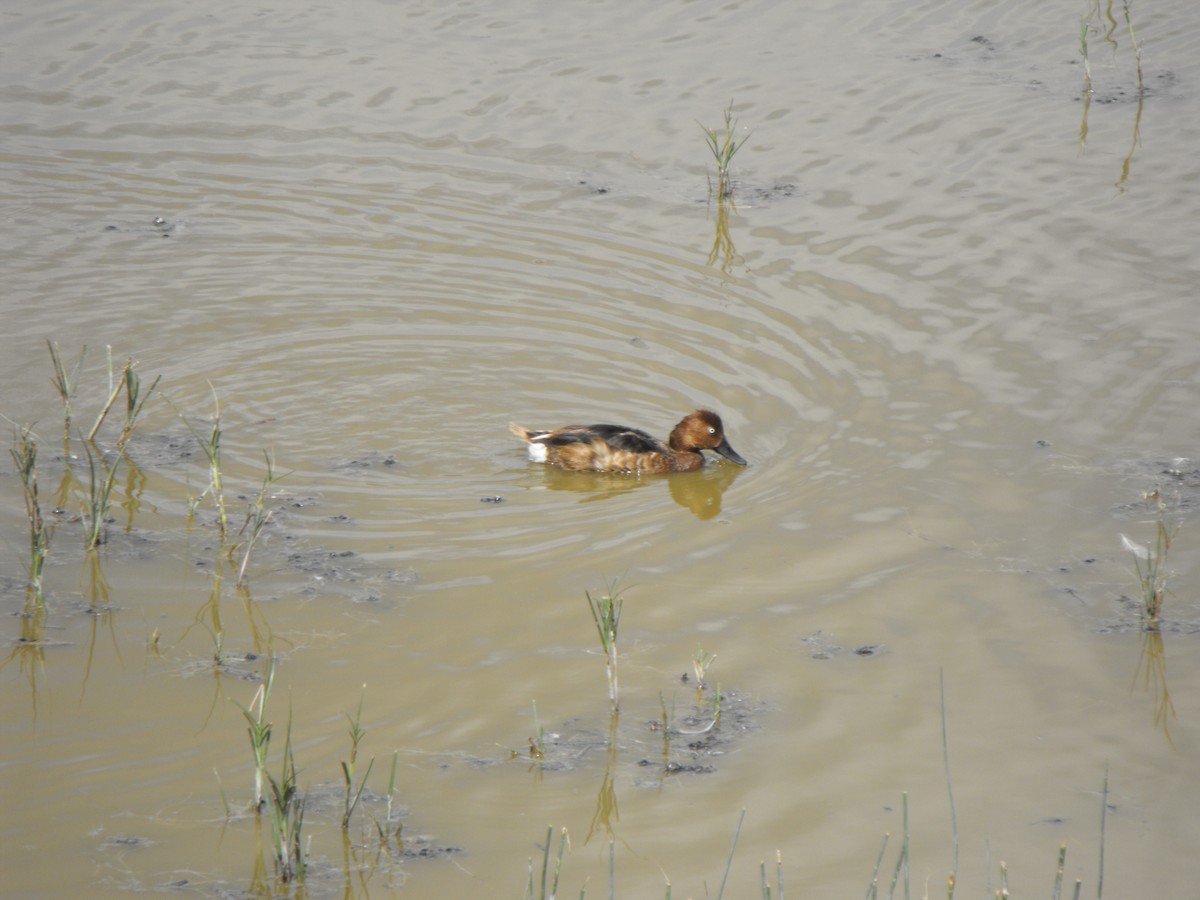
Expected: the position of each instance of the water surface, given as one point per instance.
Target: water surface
(952, 329)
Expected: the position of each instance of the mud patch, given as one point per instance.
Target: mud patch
(821, 646)
(692, 741)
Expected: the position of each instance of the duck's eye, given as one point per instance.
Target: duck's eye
(711, 430)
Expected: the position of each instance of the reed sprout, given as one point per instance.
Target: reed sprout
(537, 741)
(1137, 50)
(723, 145)
(1083, 52)
(210, 444)
(131, 384)
(606, 612)
(701, 663)
(349, 766)
(286, 810)
(255, 522)
(25, 457)
(65, 383)
(1150, 563)
(386, 833)
(102, 477)
(547, 885)
(280, 796)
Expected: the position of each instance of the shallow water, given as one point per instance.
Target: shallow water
(955, 341)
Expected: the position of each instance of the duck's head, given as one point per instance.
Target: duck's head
(702, 430)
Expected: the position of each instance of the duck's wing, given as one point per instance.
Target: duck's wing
(618, 437)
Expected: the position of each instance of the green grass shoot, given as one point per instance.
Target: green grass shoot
(102, 477)
(24, 455)
(701, 663)
(606, 612)
(210, 444)
(256, 520)
(131, 384)
(349, 767)
(65, 383)
(1150, 564)
(280, 796)
(723, 145)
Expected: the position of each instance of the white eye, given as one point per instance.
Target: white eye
(712, 430)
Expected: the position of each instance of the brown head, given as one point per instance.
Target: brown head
(702, 430)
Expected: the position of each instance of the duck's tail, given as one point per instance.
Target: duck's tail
(522, 432)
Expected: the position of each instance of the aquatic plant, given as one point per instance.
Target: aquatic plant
(537, 741)
(66, 384)
(385, 830)
(606, 612)
(131, 384)
(349, 766)
(210, 444)
(101, 480)
(1137, 49)
(1083, 52)
(548, 888)
(280, 796)
(24, 455)
(1150, 563)
(256, 520)
(723, 145)
(701, 663)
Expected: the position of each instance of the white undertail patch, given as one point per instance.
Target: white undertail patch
(537, 452)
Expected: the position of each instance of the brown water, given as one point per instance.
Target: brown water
(955, 341)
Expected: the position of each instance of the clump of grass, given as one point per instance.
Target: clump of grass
(280, 796)
(349, 766)
(259, 730)
(65, 383)
(286, 810)
(102, 475)
(102, 478)
(606, 612)
(131, 384)
(701, 663)
(723, 145)
(1150, 563)
(24, 455)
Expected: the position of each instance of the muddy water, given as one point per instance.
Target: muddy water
(951, 325)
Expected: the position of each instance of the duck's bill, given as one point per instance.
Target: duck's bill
(729, 453)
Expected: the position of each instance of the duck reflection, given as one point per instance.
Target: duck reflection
(698, 492)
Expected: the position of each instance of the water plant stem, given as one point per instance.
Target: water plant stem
(348, 766)
(100, 487)
(211, 445)
(25, 457)
(256, 520)
(65, 384)
(606, 612)
(723, 145)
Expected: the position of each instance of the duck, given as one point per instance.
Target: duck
(618, 448)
